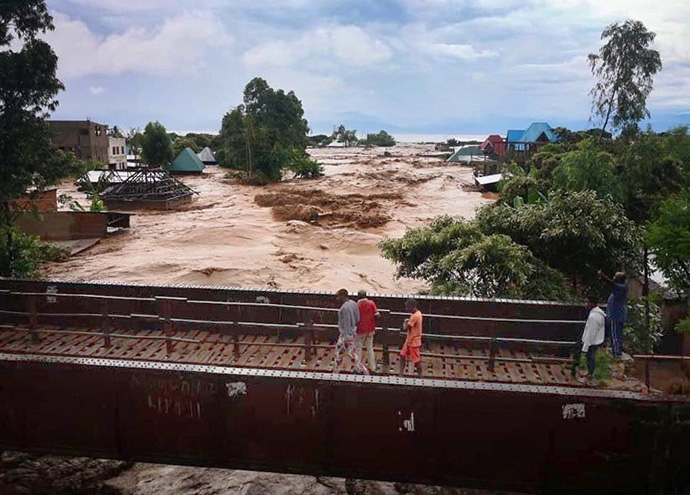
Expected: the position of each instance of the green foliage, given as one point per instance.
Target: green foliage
(381, 139)
(304, 167)
(262, 135)
(624, 68)
(587, 168)
(457, 258)
(156, 148)
(648, 175)
(346, 136)
(320, 140)
(134, 138)
(683, 325)
(669, 240)
(635, 330)
(201, 141)
(182, 143)
(21, 255)
(574, 232)
(28, 90)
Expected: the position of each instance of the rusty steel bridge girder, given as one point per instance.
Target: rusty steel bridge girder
(423, 431)
(454, 432)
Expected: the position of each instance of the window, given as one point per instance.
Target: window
(114, 150)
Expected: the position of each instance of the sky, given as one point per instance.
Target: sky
(407, 66)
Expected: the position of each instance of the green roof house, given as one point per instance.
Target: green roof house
(186, 163)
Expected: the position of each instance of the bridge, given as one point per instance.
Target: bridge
(241, 378)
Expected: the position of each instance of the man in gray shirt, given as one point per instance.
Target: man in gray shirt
(348, 318)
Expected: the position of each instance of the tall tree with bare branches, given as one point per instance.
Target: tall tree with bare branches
(624, 68)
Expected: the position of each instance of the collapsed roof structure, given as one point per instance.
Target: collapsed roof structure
(152, 188)
(468, 154)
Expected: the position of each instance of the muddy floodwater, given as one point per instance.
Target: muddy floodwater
(300, 234)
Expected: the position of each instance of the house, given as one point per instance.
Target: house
(186, 163)
(117, 154)
(530, 139)
(207, 156)
(494, 144)
(88, 140)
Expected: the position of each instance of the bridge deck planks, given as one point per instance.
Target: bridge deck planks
(256, 351)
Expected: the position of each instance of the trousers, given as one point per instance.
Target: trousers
(616, 337)
(346, 345)
(366, 341)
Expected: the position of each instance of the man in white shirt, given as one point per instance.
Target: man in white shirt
(592, 337)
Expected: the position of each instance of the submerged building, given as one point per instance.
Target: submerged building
(88, 140)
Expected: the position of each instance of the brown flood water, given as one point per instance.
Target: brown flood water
(225, 238)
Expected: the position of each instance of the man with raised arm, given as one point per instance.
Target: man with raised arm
(616, 309)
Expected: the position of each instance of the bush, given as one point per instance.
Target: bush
(635, 331)
(304, 167)
(21, 255)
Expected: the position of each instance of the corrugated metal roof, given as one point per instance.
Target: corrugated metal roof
(465, 153)
(207, 156)
(535, 130)
(488, 179)
(514, 135)
(186, 161)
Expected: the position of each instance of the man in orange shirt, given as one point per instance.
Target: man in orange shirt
(411, 349)
(368, 311)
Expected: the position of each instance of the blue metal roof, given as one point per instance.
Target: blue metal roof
(534, 131)
(514, 135)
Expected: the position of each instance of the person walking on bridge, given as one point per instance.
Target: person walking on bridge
(368, 312)
(348, 318)
(411, 349)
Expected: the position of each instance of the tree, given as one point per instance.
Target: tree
(156, 148)
(264, 134)
(588, 168)
(346, 136)
(456, 257)
(380, 139)
(624, 69)
(28, 90)
(669, 239)
(576, 233)
(133, 138)
(182, 143)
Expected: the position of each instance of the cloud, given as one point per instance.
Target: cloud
(96, 90)
(461, 51)
(349, 45)
(178, 46)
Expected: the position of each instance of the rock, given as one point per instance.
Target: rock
(324, 247)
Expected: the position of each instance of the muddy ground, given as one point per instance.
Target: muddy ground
(320, 234)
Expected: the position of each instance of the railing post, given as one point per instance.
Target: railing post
(235, 345)
(165, 314)
(105, 323)
(647, 379)
(493, 349)
(308, 337)
(33, 319)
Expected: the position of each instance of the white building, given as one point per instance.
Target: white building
(117, 155)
